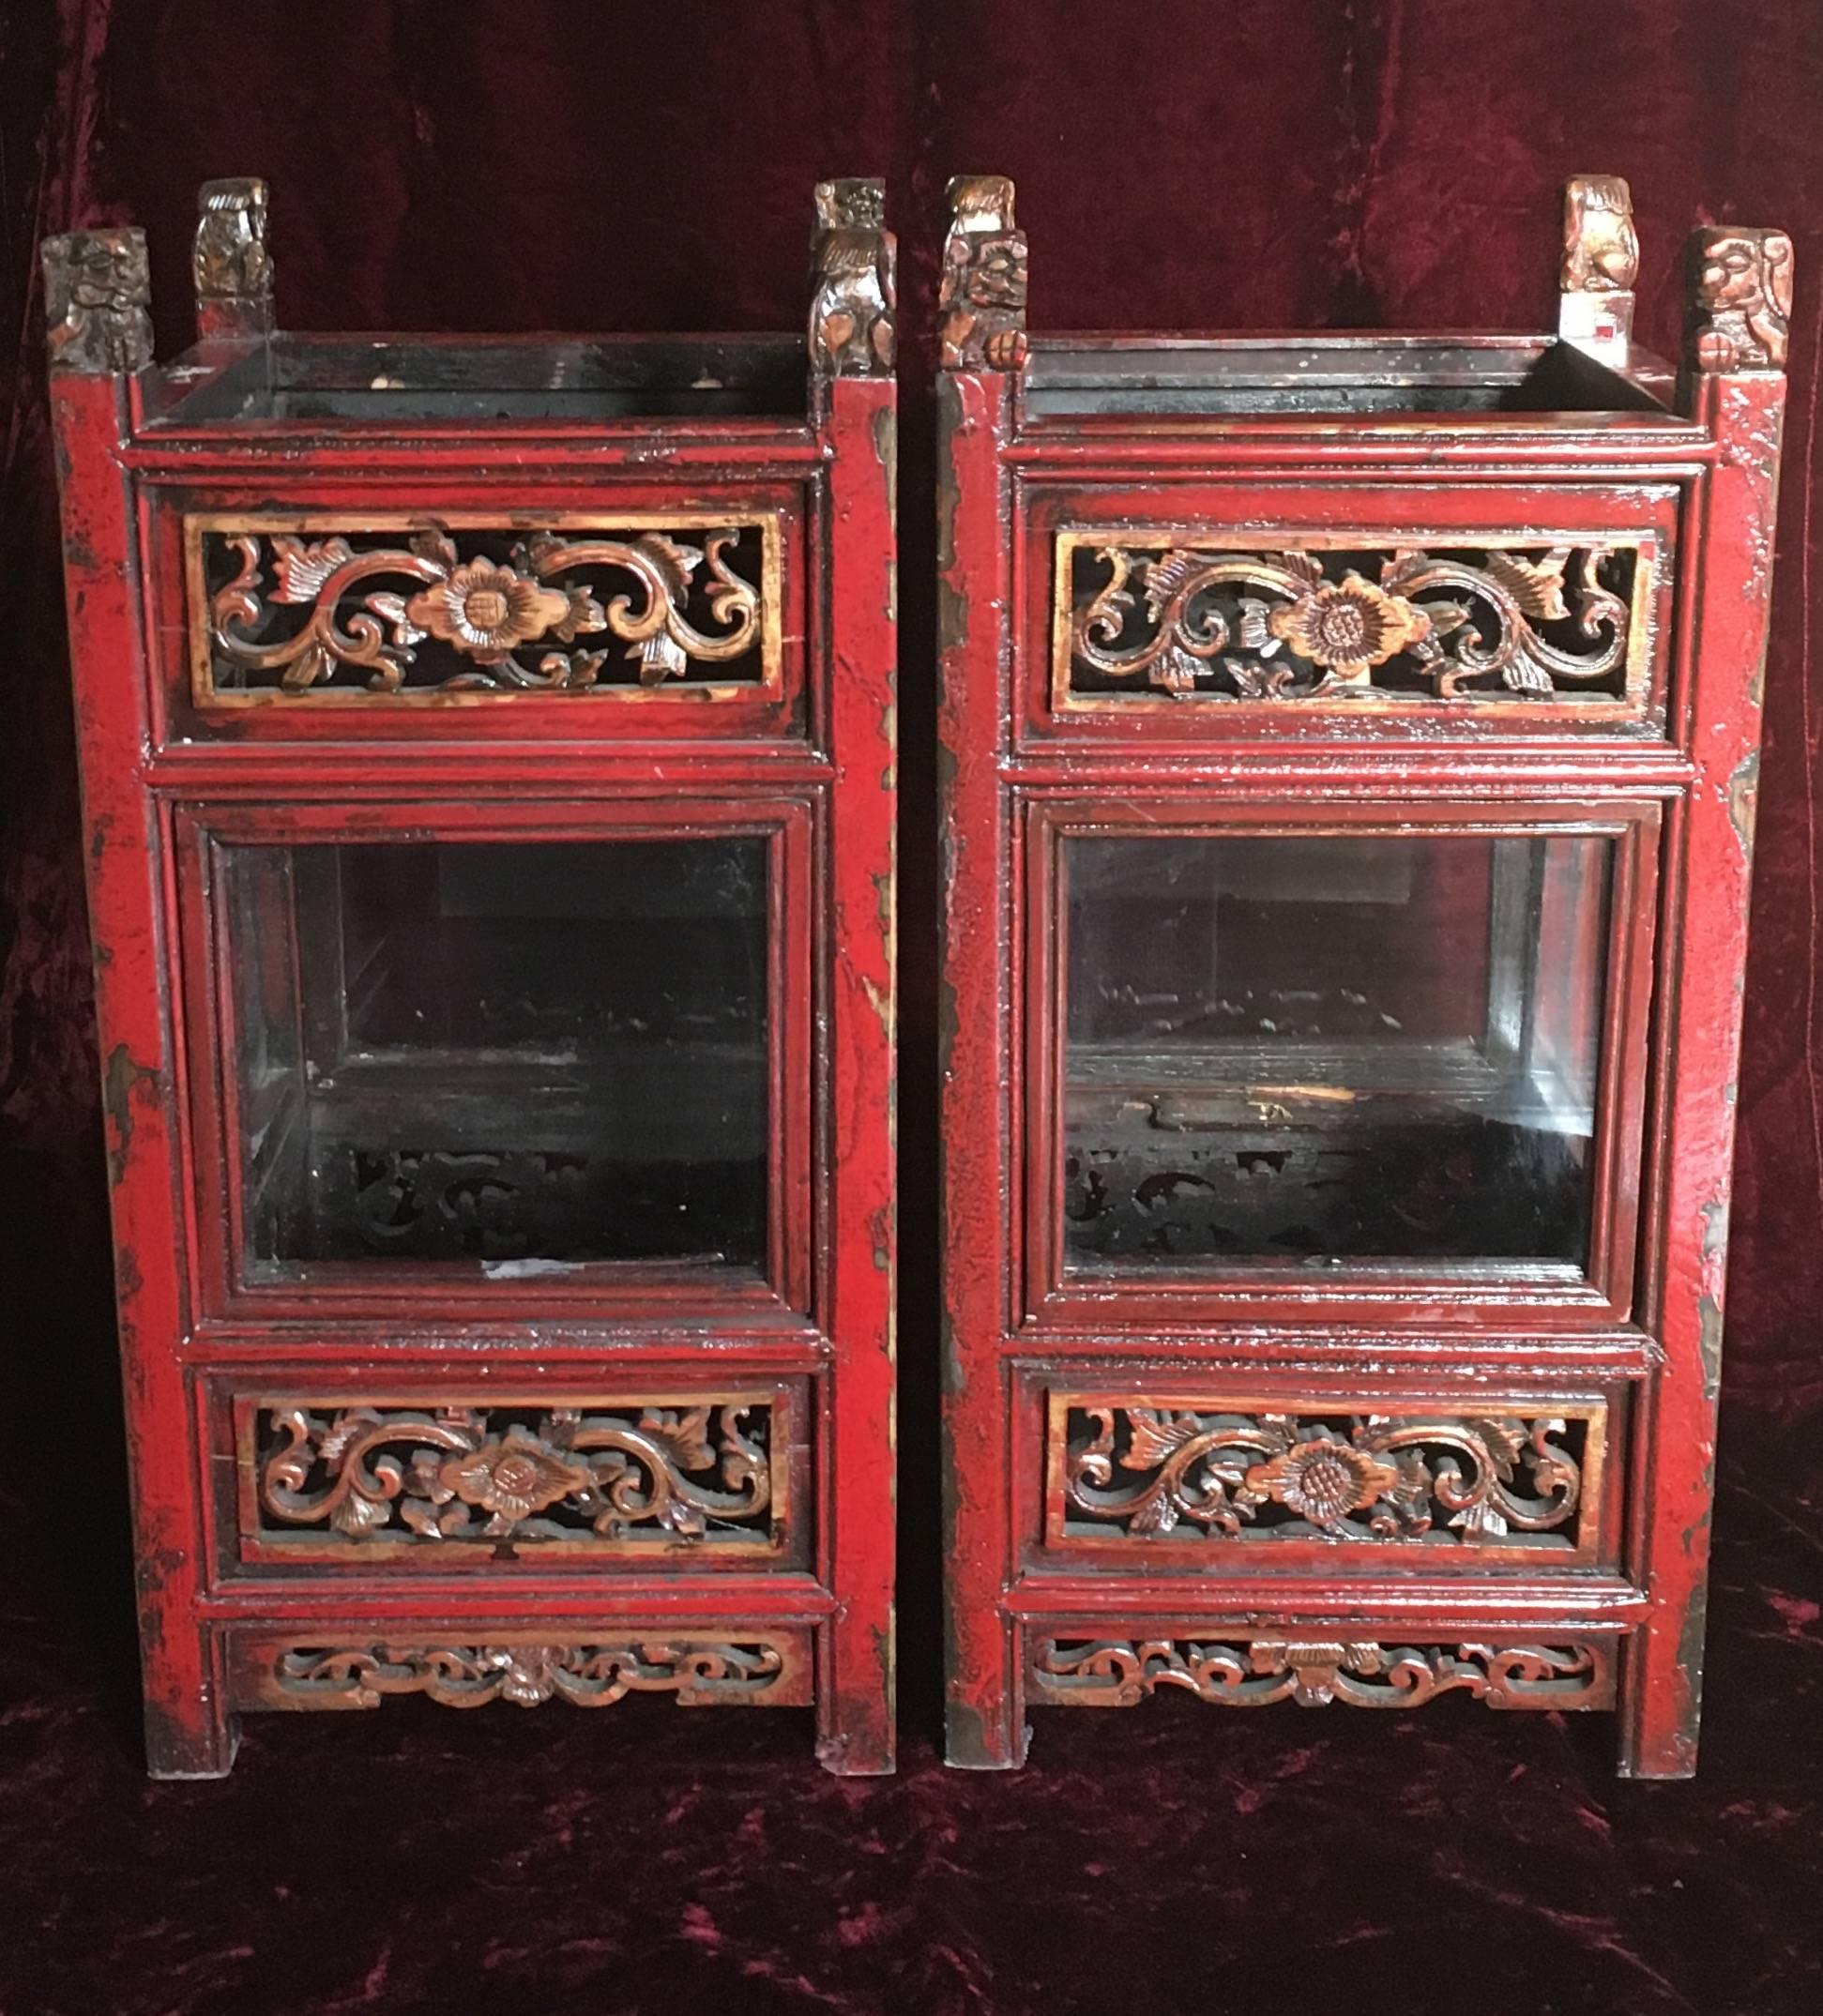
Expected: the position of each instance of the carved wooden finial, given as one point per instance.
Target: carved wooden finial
(231, 265)
(97, 289)
(854, 262)
(982, 294)
(1740, 299)
(1601, 262)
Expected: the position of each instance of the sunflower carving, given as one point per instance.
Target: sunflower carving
(487, 612)
(1322, 1480)
(1348, 627)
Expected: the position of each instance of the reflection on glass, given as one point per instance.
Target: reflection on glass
(1291, 1048)
(515, 1055)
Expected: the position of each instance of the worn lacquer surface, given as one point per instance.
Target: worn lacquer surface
(522, 1481)
(1181, 597)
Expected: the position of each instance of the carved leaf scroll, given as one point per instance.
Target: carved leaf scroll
(586, 1676)
(1146, 1472)
(478, 611)
(1291, 625)
(502, 1474)
(1119, 1673)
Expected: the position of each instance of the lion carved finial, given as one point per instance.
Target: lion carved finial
(97, 294)
(230, 265)
(1601, 262)
(854, 261)
(981, 298)
(1740, 299)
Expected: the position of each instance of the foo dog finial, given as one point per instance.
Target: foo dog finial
(854, 263)
(1601, 262)
(98, 291)
(981, 298)
(1740, 299)
(231, 267)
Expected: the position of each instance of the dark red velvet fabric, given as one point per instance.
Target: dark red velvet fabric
(526, 163)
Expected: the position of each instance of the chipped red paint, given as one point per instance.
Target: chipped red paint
(1721, 643)
(1697, 473)
(814, 767)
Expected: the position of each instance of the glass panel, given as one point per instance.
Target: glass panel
(1313, 1047)
(516, 1055)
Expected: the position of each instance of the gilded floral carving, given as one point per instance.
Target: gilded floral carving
(1149, 1472)
(1204, 623)
(1317, 1672)
(687, 1474)
(487, 612)
(494, 623)
(1348, 628)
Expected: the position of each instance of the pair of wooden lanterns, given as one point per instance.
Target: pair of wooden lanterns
(1350, 751)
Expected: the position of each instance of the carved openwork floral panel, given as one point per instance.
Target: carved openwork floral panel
(1119, 1673)
(1198, 1479)
(743, 1668)
(505, 1481)
(386, 610)
(1167, 617)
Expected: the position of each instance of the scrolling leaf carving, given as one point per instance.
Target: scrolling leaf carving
(1318, 1672)
(369, 606)
(1274, 626)
(586, 1675)
(467, 1474)
(1383, 1478)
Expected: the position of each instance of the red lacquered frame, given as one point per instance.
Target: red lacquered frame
(1243, 446)
(327, 436)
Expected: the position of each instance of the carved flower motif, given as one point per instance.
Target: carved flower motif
(511, 1476)
(528, 1673)
(1349, 625)
(487, 610)
(1322, 1480)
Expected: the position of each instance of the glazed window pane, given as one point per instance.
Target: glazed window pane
(518, 1055)
(1284, 1049)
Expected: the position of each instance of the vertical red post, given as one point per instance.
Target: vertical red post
(100, 341)
(983, 338)
(855, 399)
(1735, 386)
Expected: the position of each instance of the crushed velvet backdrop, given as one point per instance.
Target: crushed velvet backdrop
(1248, 163)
